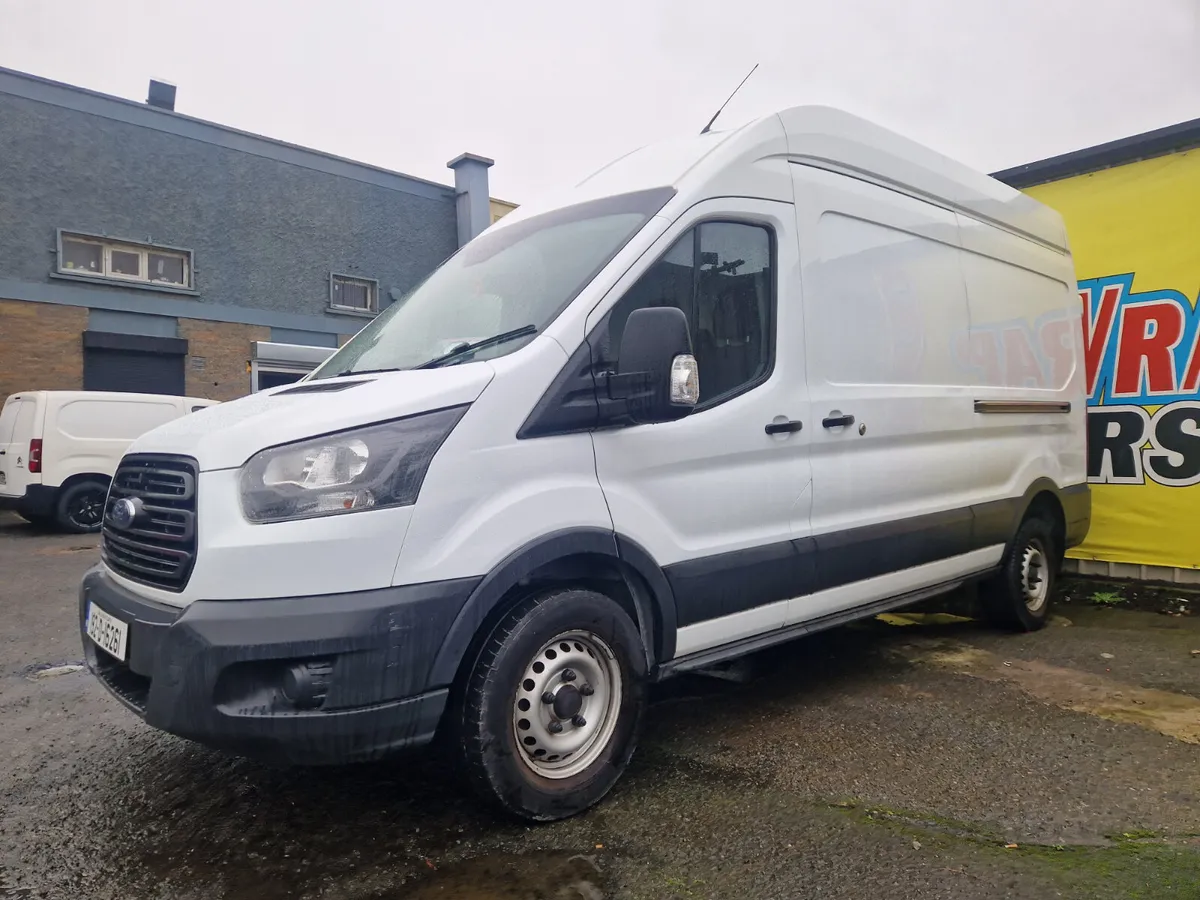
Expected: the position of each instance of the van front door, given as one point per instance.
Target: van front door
(720, 499)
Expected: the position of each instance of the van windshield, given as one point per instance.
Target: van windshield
(499, 290)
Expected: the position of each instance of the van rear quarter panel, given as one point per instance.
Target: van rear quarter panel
(1025, 343)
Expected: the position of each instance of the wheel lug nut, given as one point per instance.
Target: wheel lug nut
(555, 728)
(579, 721)
(568, 675)
(547, 697)
(587, 690)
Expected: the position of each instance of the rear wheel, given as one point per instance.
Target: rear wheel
(1019, 597)
(80, 507)
(552, 708)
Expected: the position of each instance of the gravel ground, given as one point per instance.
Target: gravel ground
(917, 757)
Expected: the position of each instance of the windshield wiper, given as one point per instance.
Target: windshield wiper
(366, 371)
(464, 349)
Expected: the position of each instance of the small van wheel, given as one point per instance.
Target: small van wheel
(1018, 598)
(551, 710)
(80, 507)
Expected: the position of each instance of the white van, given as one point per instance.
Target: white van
(728, 391)
(58, 449)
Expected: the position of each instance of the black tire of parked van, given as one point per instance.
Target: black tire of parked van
(495, 726)
(80, 508)
(1018, 598)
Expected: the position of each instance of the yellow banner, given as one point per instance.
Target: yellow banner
(1134, 234)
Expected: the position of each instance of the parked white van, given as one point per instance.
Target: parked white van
(58, 449)
(728, 391)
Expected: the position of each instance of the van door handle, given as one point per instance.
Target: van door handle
(789, 427)
(837, 421)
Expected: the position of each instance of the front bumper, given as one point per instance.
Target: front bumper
(215, 672)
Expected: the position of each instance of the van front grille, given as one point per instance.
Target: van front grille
(158, 547)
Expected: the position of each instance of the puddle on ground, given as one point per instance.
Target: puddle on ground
(42, 671)
(64, 551)
(533, 876)
(1175, 715)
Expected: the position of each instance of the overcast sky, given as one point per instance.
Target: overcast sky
(553, 90)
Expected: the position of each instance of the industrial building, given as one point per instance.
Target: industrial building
(145, 250)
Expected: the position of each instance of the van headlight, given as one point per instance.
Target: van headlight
(366, 468)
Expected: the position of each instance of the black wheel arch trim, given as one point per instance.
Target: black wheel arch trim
(653, 600)
(1074, 500)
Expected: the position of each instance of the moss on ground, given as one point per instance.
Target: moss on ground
(1134, 865)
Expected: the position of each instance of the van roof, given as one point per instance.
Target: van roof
(735, 162)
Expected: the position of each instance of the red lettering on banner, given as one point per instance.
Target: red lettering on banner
(1021, 368)
(979, 349)
(1055, 337)
(1097, 328)
(1191, 378)
(1148, 334)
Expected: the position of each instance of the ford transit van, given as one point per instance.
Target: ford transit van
(58, 449)
(728, 391)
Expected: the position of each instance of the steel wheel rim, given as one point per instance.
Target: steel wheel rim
(573, 684)
(1035, 570)
(87, 510)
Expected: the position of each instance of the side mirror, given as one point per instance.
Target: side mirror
(656, 371)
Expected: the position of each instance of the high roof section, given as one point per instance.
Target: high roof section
(754, 161)
(1150, 144)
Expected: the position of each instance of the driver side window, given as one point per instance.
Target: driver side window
(722, 275)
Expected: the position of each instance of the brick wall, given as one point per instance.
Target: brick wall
(218, 356)
(41, 347)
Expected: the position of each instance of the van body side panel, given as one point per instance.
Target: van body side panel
(1025, 355)
(88, 434)
(884, 303)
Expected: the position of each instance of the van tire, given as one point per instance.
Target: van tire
(553, 644)
(1018, 598)
(80, 507)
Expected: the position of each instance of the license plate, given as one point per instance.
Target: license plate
(109, 632)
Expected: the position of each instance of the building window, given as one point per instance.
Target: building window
(94, 257)
(360, 295)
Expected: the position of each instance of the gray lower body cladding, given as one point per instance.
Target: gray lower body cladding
(223, 673)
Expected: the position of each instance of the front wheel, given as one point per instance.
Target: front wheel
(552, 708)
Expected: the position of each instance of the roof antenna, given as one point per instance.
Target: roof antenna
(726, 103)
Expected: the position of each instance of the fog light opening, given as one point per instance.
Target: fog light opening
(305, 684)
